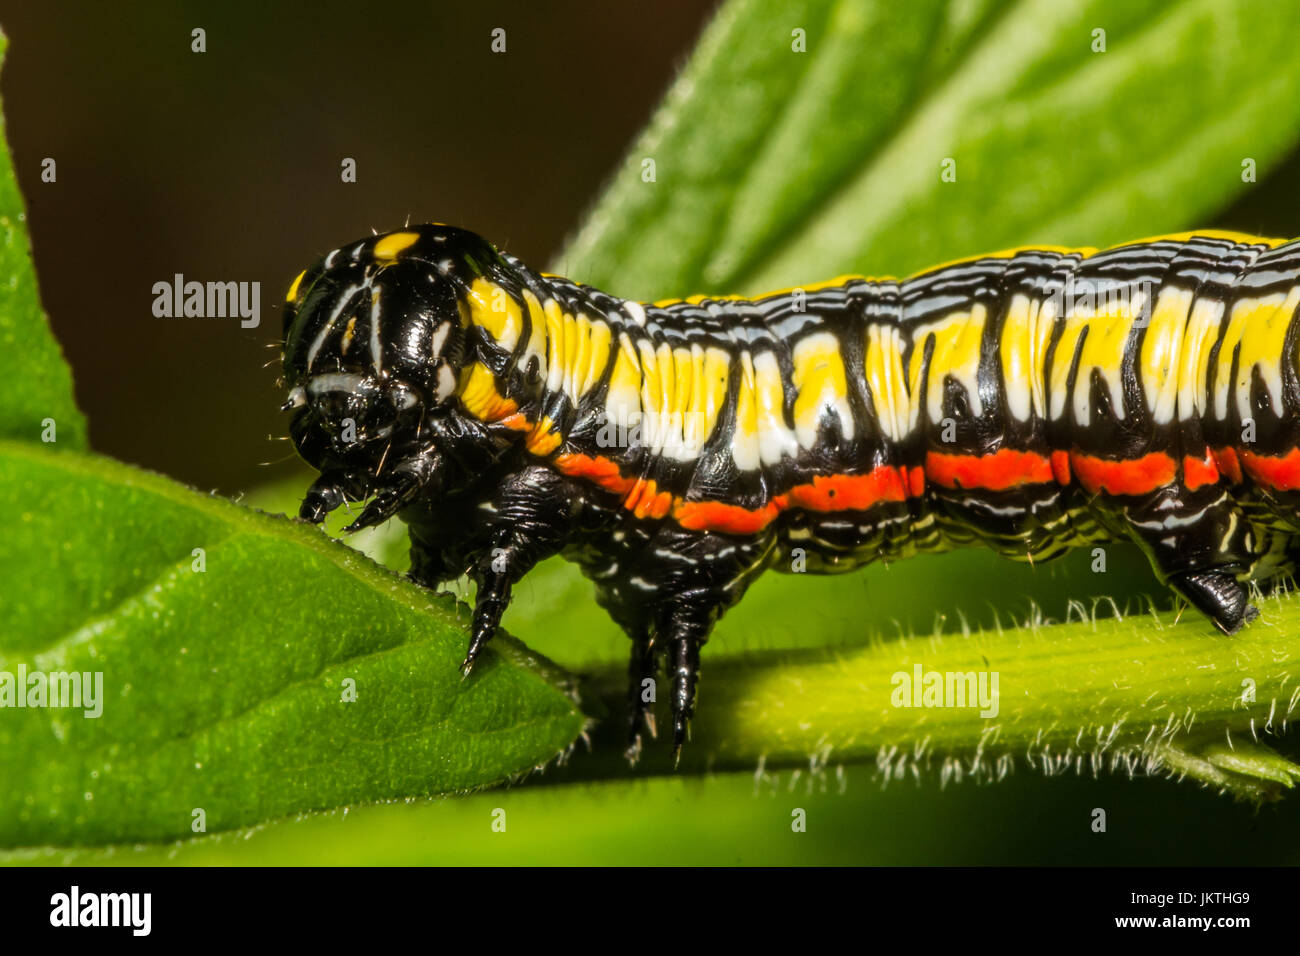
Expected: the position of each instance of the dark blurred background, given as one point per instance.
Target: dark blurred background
(225, 166)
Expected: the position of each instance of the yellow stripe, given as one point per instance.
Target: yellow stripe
(541, 439)
(715, 372)
(496, 311)
(387, 248)
(956, 352)
(293, 289)
(822, 385)
(1017, 353)
(536, 347)
(1103, 349)
(744, 442)
(1260, 326)
(884, 372)
(479, 395)
(554, 345)
(775, 440)
(1194, 365)
(598, 347)
(623, 399)
(818, 286)
(1083, 251)
(1161, 349)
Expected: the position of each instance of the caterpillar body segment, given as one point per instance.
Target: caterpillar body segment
(1033, 401)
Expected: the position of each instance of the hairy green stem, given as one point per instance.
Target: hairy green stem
(1142, 694)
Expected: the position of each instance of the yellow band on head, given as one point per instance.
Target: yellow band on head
(387, 248)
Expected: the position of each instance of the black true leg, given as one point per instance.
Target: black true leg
(324, 495)
(530, 521)
(685, 653)
(681, 606)
(406, 483)
(489, 605)
(386, 503)
(640, 668)
(398, 490)
(685, 630)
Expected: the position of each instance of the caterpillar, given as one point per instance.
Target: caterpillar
(1032, 401)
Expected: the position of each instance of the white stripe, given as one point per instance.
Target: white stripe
(344, 299)
(635, 310)
(376, 349)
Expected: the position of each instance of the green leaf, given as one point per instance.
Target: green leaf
(35, 383)
(387, 544)
(774, 168)
(223, 681)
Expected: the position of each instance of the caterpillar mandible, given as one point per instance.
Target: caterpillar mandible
(1032, 400)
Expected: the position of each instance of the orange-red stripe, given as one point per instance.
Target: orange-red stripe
(1061, 467)
(850, 492)
(1226, 459)
(645, 500)
(825, 493)
(1200, 471)
(1281, 473)
(1005, 468)
(728, 519)
(1136, 476)
(599, 470)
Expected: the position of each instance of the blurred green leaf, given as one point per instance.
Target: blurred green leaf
(223, 682)
(35, 383)
(749, 819)
(774, 168)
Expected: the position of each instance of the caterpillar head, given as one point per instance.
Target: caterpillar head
(374, 344)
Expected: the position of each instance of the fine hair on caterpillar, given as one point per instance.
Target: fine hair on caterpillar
(1031, 401)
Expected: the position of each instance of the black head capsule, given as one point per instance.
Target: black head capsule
(374, 345)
